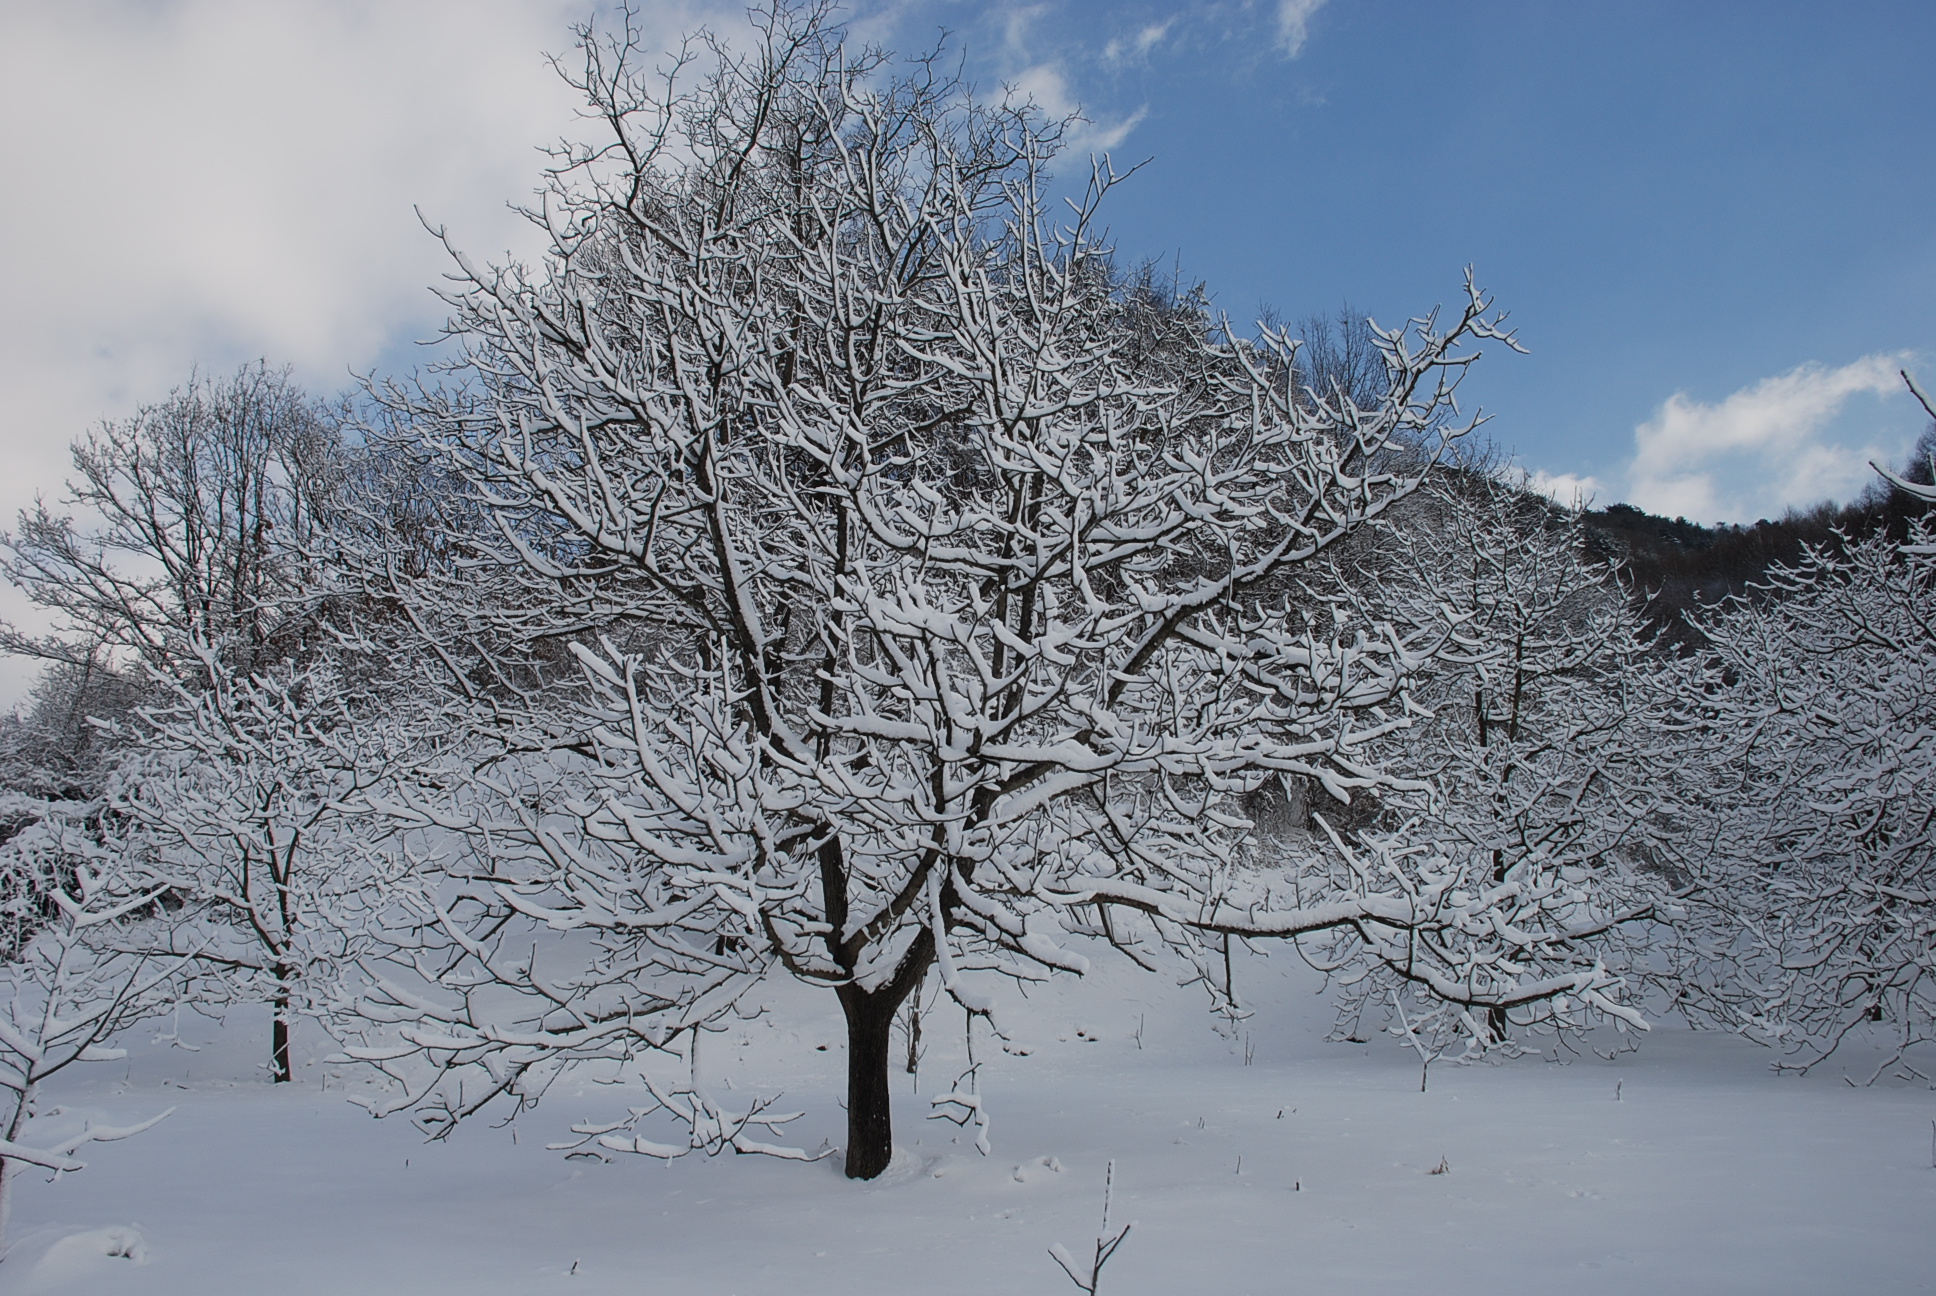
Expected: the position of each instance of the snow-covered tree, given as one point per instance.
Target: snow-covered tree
(1542, 834)
(58, 744)
(1815, 714)
(195, 516)
(194, 676)
(65, 989)
(929, 594)
(249, 791)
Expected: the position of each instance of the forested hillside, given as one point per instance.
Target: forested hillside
(1681, 567)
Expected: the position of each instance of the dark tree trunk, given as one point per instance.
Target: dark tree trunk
(1496, 1019)
(279, 1034)
(870, 1119)
(870, 1019)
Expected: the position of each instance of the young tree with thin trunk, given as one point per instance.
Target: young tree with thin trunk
(190, 596)
(928, 593)
(250, 791)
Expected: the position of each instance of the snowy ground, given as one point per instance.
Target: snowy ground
(1707, 1174)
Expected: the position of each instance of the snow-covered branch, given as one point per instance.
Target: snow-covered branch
(68, 885)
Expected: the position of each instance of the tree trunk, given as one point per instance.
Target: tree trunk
(8, 1167)
(870, 1021)
(870, 1119)
(279, 1033)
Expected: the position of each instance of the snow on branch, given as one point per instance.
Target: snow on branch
(69, 886)
(710, 1127)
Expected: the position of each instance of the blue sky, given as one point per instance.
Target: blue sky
(1729, 204)
(1712, 223)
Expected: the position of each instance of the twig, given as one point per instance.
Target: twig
(1087, 1276)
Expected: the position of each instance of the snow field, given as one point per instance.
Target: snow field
(1705, 1174)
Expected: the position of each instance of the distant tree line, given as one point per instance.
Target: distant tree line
(1682, 568)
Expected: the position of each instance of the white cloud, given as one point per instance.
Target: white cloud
(1048, 87)
(1138, 46)
(1766, 448)
(1017, 19)
(214, 180)
(1570, 489)
(1294, 24)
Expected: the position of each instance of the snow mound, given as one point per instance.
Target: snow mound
(1039, 1168)
(90, 1260)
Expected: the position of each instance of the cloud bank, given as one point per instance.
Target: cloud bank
(1574, 490)
(1766, 448)
(208, 181)
(214, 180)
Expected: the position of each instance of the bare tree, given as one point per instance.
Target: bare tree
(1340, 356)
(195, 518)
(927, 595)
